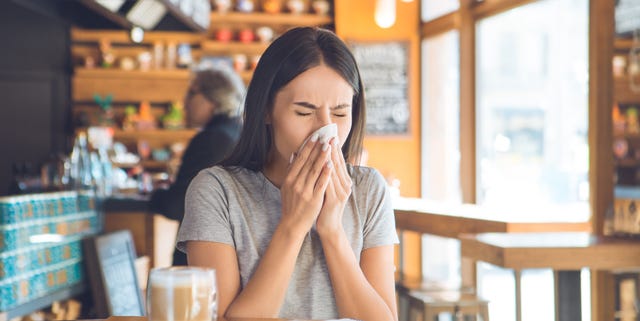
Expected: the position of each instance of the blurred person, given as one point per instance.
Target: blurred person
(297, 232)
(212, 105)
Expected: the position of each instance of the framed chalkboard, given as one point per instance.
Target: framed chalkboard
(384, 68)
(110, 263)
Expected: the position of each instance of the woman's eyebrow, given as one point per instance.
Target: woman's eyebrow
(312, 106)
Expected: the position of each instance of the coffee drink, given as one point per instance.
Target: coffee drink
(181, 294)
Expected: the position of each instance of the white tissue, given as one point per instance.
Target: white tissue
(325, 133)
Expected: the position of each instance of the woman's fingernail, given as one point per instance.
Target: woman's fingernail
(291, 158)
(314, 137)
(325, 146)
(329, 164)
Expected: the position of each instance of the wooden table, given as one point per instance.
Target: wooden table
(427, 217)
(444, 220)
(565, 253)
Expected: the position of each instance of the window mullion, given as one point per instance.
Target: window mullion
(467, 103)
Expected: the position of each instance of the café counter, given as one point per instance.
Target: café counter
(153, 234)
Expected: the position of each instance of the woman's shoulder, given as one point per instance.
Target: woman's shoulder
(367, 176)
(223, 175)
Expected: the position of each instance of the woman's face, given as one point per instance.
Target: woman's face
(198, 110)
(315, 98)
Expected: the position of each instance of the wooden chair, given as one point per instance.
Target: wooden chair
(417, 302)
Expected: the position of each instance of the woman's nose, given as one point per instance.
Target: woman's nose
(324, 118)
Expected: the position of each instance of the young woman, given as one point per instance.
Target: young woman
(297, 233)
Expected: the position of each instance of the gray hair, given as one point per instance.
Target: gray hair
(221, 86)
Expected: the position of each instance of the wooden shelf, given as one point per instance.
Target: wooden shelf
(218, 47)
(154, 164)
(146, 163)
(622, 44)
(632, 137)
(81, 50)
(622, 90)
(163, 134)
(160, 87)
(260, 18)
(627, 162)
(155, 86)
(155, 138)
(103, 73)
(122, 37)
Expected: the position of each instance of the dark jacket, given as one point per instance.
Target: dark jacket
(215, 141)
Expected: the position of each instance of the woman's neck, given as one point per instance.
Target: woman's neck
(275, 173)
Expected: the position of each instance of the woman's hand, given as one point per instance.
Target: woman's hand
(304, 186)
(336, 195)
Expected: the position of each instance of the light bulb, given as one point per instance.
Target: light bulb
(385, 13)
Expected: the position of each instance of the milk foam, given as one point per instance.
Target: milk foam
(181, 278)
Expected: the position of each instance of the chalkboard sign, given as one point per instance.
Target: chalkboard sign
(384, 70)
(627, 17)
(110, 262)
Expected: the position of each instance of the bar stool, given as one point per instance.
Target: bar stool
(425, 306)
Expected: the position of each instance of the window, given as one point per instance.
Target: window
(440, 118)
(441, 148)
(532, 108)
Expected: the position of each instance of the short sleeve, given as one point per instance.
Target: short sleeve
(206, 213)
(380, 225)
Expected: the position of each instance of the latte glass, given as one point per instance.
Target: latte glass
(182, 294)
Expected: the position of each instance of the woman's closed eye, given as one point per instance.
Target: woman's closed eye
(300, 113)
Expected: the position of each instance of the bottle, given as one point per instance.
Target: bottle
(172, 52)
(158, 55)
(184, 56)
(80, 164)
(104, 167)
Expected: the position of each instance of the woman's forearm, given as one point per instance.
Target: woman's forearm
(355, 296)
(265, 292)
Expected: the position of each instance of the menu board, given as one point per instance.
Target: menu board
(627, 16)
(112, 274)
(384, 71)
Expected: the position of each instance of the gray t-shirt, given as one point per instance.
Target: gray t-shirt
(242, 208)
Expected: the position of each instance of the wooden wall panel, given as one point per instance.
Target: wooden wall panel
(601, 29)
(393, 156)
(34, 88)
